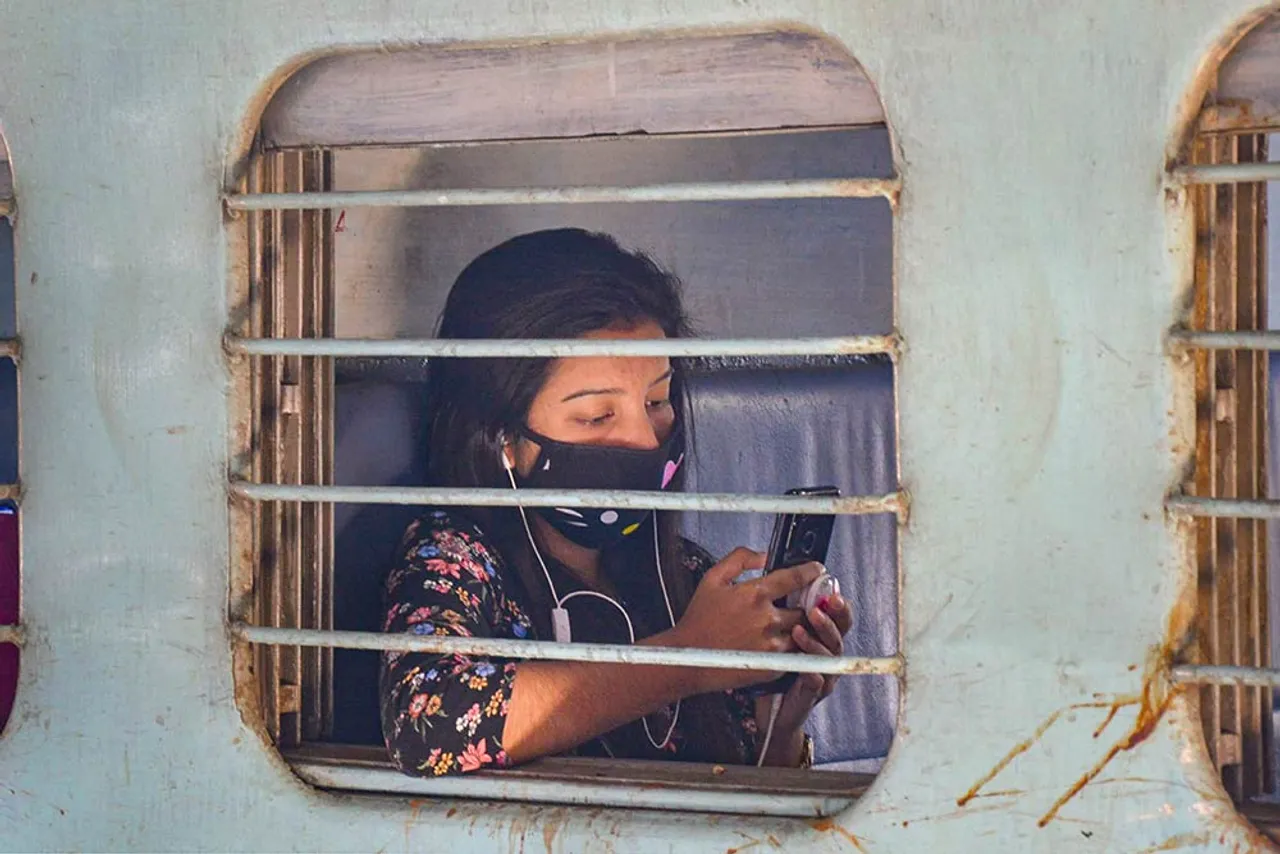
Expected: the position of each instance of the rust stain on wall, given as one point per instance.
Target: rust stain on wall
(551, 826)
(1026, 744)
(1182, 840)
(1157, 694)
(1153, 701)
(826, 825)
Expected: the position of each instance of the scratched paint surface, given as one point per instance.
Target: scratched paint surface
(1038, 263)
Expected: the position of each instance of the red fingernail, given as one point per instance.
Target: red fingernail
(823, 603)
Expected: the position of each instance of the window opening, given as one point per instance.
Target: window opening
(331, 320)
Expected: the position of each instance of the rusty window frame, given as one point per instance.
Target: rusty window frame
(291, 296)
(1230, 462)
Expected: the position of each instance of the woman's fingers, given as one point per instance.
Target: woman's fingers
(807, 643)
(826, 631)
(811, 685)
(735, 563)
(840, 612)
(800, 697)
(780, 582)
(786, 619)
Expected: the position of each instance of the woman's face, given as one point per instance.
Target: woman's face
(604, 400)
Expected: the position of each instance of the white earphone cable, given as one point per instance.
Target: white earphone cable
(529, 532)
(662, 583)
(768, 733)
(631, 632)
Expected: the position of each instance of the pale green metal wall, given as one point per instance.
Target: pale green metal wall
(1039, 262)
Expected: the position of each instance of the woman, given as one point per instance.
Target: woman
(597, 575)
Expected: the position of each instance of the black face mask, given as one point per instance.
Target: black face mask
(566, 465)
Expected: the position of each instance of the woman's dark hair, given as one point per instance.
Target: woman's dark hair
(561, 283)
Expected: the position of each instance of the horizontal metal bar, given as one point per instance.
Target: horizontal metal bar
(1223, 508)
(431, 496)
(721, 659)
(501, 786)
(510, 143)
(711, 191)
(1261, 340)
(1226, 173)
(1222, 674)
(13, 634)
(857, 345)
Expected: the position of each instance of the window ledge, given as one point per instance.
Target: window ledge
(634, 784)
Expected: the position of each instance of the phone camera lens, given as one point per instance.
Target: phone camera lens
(808, 542)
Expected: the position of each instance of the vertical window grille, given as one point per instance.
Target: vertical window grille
(1230, 462)
(291, 288)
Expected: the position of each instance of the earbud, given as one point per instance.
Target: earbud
(502, 453)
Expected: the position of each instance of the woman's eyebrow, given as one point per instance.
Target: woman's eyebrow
(587, 392)
(666, 375)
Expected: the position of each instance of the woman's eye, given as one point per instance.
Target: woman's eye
(659, 404)
(597, 421)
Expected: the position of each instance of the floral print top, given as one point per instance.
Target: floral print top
(445, 714)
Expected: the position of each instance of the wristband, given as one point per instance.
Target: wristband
(806, 753)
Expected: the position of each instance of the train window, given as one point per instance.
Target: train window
(10, 628)
(1231, 336)
(757, 167)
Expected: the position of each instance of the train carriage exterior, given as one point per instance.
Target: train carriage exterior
(1063, 286)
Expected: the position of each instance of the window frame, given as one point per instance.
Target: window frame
(268, 651)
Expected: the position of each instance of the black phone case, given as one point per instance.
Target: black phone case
(789, 546)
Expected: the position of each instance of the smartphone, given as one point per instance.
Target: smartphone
(797, 538)
(801, 537)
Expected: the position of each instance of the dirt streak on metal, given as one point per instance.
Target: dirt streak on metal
(1152, 701)
(826, 825)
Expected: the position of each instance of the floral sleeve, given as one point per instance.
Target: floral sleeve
(445, 714)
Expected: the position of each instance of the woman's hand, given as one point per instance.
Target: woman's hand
(827, 625)
(724, 615)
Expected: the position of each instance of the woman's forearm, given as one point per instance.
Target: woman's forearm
(558, 705)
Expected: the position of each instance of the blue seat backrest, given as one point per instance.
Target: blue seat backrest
(377, 441)
(768, 430)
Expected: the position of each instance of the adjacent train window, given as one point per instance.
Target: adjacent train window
(1230, 462)
(10, 630)
(1232, 334)
(756, 168)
